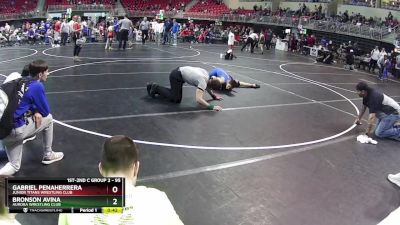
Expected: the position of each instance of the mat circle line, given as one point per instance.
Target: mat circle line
(214, 147)
(26, 56)
(44, 52)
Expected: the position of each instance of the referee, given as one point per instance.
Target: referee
(125, 24)
(194, 76)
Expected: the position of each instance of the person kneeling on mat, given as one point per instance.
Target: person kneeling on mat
(325, 57)
(194, 76)
(384, 113)
(227, 82)
(32, 116)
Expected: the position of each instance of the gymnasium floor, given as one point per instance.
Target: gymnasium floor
(284, 154)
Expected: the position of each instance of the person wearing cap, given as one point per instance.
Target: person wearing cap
(383, 113)
(227, 82)
(194, 76)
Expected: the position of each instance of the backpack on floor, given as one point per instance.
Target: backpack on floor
(10, 97)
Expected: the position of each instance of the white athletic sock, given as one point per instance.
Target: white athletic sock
(8, 170)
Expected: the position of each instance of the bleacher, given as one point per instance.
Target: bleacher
(9, 7)
(244, 11)
(78, 2)
(210, 7)
(148, 5)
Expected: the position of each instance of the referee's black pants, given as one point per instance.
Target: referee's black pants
(251, 42)
(123, 38)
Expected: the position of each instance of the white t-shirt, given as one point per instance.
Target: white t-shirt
(8, 222)
(159, 27)
(392, 219)
(195, 76)
(144, 206)
(231, 38)
(375, 54)
(254, 36)
(153, 25)
(71, 24)
(382, 53)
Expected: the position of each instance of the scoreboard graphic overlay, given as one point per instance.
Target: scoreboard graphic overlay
(65, 195)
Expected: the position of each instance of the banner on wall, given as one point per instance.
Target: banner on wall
(314, 51)
(69, 12)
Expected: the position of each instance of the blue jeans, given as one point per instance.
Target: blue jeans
(175, 36)
(3, 153)
(385, 126)
(2, 148)
(166, 35)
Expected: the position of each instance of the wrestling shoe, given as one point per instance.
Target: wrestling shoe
(148, 87)
(52, 157)
(394, 179)
(29, 139)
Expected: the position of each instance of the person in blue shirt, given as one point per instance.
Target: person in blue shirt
(11, 77)
(167, 31)
(116, 29)
(175, 31)
(227, 81)
(31, 117)
(324, 41)
(31, 36)
(47, 25)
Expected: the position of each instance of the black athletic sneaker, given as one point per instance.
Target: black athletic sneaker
(148, 86)
(256, 86)
(29, 139)
(152, 92)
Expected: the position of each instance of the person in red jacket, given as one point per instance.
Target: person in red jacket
(311, 41)
(57, 30)
(76, 34)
